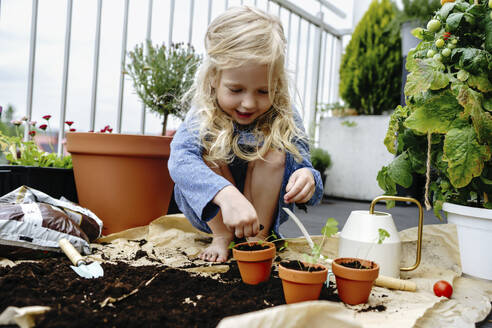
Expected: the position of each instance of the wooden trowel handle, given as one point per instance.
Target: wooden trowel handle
(71, 252)
(394, 283)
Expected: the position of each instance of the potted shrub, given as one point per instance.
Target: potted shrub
(24, 162)
(370, 83)
(254, 260)
(445, 130)
(123, 178)
(161, 76)
(321, 161)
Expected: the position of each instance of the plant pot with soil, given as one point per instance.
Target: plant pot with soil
(354, 278)
(23, 161)
(254, 260)
(301, 281)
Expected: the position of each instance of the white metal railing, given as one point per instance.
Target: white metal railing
(319, 69)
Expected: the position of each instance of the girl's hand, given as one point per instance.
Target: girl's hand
(238, 214)
(300, 187)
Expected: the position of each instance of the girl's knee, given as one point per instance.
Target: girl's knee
(273, 160)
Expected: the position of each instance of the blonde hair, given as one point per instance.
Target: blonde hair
(243, 35)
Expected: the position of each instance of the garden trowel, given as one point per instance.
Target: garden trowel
(93, 270)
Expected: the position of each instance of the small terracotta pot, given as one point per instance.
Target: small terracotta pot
(122, 178)
(254, 266)
(354, 285)
(300, 286)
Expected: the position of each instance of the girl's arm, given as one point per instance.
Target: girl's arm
(305, 165)
(195, 180)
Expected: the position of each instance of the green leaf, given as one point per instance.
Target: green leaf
(393, 126)
(482, 121)
(434, 115)
(330, 228)
(400, 170)
(465, 156)
(446, 9)
(426, 74)
(385, 182)
(468, 98)
(473, 60)
(383, 234)
(487, 103)
(488, 33)
(453, 21)
(481, 82)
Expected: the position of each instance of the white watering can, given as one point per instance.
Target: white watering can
(360, 234)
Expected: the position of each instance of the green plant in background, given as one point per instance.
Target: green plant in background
(17, 151)
(370, 72)
(320, 159)
(445, 131)
(419, 10)
(161, 75)
(349, 124)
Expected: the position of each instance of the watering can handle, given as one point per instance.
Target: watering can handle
(421, 223)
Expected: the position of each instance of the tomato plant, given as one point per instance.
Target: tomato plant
(443, 288)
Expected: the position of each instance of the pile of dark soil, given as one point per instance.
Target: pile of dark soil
(166, 297)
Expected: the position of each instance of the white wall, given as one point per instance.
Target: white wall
(357, 153)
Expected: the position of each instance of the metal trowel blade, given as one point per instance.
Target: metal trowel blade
(93, 270)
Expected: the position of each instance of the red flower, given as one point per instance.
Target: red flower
(47, 117)
(32, 133)
(73, 130)
(69, 123)
(43, 127)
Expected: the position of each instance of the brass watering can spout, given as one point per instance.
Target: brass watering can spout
(420, 228)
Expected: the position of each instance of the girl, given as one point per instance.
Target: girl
(241, 154)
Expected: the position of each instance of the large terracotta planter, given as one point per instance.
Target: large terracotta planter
(254, 266)
(354, 285)
(300, 286)
(122, 178)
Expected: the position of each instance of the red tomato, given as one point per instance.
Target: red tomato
(443, 288)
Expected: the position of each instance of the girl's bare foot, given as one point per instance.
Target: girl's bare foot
(218, 251)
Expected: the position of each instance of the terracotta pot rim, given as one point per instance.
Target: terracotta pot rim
(352, 273)
(254, 256)
(303, 277)
(130, 145)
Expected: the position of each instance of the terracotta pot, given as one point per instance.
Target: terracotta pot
(354, 285)
(300, 286)
(254, 266)
(122, 178)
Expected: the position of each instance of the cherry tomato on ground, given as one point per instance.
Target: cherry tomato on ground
(443, 288)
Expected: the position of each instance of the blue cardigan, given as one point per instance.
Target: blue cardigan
(196, 184)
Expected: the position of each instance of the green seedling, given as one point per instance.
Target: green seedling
(330, 228)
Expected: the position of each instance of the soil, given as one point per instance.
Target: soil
(252, 247)
(355, 265)
(166, 297)
(298, 265)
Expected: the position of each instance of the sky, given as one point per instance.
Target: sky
(15, 22)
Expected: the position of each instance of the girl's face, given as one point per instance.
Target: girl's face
(242, 92)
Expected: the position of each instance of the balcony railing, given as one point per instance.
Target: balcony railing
(313, 55)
